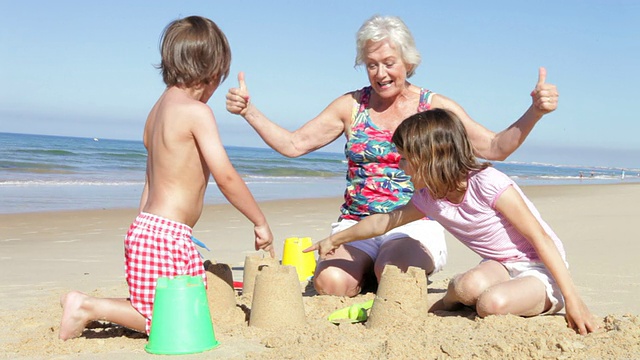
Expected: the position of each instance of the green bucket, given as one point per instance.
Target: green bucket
(181, 322)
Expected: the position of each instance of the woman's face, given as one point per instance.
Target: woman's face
(385, 68)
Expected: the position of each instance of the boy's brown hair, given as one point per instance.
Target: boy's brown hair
(194, 52)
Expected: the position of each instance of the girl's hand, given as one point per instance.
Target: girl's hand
(544, 96)
(238, 98)
(579, 317)
(325, 247)
(264, 239)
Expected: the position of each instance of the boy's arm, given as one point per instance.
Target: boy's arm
(371, 226)
(230, 183)
(513, 207)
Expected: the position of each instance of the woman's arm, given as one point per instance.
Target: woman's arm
(513, 207)
(370, 226)
(316, 133)
(492, 146)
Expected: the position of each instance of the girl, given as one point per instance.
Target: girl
(523, 271)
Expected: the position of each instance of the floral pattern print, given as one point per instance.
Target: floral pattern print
(375, 183)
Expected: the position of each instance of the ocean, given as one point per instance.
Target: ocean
(51, 173)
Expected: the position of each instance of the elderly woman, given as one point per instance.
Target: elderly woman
(375, 184)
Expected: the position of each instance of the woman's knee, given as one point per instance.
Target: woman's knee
(335, 281)
(404, 253)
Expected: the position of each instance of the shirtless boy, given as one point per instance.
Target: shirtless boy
(184, 148)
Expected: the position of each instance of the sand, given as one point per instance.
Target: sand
(44, 255)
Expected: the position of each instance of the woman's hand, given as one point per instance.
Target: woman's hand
(238, 98)
(544, 96)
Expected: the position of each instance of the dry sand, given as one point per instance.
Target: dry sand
(44, 255)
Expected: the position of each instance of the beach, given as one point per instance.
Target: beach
(44, 255)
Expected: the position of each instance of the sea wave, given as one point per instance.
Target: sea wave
(12, 165)
(45, 152)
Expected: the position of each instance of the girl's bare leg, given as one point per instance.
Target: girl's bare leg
(79, 309)
(524, 296)
(467, 287)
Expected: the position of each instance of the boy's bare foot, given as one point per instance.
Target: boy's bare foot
(74, 316)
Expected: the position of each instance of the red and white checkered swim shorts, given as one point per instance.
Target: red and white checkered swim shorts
(157, 247)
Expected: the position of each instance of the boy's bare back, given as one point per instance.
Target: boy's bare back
(177, 174)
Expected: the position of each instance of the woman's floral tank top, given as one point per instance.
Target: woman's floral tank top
(375, 183)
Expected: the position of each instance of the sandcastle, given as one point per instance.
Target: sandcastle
(277, 300)
(400, 298)
(275, 294)
(220, 293)
(252, 264)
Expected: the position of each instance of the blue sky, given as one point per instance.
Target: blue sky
(85, 68)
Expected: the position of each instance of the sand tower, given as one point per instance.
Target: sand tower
(252, 264)
(220, 293)
(277, 299)
(401, 297)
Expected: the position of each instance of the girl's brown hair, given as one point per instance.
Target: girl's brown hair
(194, 52)
(436, 146)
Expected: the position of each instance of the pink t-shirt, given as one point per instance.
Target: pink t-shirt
(477, 223)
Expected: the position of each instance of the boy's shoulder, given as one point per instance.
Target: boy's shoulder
(178, 96)
(178, 113)
(177, 103)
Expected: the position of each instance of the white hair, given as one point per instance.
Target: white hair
(378, 28)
